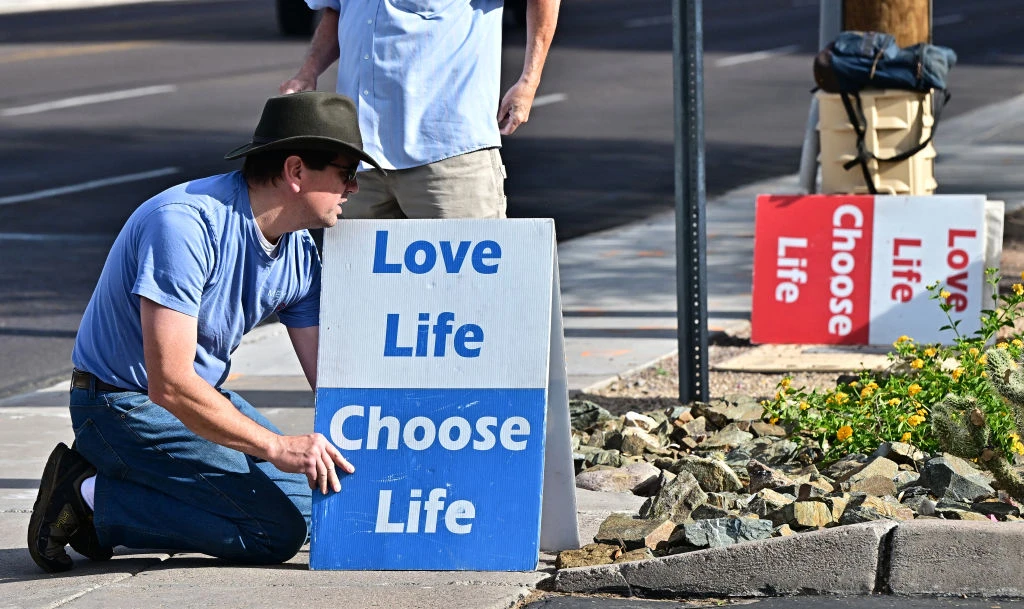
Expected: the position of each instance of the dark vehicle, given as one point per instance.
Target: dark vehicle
(294, 18)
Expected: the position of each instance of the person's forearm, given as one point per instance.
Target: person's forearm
(210, 415)
(541, 19)
(323, 50)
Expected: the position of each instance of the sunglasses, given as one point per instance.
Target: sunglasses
(349, 173)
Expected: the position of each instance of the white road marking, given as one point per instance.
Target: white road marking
(648, 21)
(551, 98)
(948, 20)
(736, 60)
(62, 237)
(91, 185)
(84, 100)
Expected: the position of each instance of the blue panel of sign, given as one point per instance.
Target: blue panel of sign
(445, 479)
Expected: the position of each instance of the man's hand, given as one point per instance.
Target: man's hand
(515, 107)
(298, 83)
(313, 456)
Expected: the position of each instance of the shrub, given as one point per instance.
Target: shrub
(896, 405)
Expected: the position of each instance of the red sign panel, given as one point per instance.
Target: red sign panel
(812, 269)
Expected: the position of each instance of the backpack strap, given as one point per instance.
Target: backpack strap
(860, 127)
(859, 123)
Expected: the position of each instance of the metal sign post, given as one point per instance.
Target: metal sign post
(691, 239)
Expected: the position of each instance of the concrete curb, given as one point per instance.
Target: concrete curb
(842, 560)
(916, 558)
(929, 557)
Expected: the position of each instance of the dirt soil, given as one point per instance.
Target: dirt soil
(657, 387)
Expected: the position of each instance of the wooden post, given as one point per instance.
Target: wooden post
(909, 21)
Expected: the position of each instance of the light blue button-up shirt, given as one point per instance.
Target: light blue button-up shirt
(424, 75)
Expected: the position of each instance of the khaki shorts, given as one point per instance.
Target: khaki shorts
(470, 185)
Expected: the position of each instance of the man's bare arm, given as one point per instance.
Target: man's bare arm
(169, 343)
(306, 342)
(323, 51)
(541, 19)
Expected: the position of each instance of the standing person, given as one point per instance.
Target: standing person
(425, 75)
(164, 457)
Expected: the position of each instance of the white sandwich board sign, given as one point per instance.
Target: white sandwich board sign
(442, 379)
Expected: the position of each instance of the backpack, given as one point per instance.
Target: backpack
(858, 60)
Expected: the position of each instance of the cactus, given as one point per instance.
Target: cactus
(962, 428)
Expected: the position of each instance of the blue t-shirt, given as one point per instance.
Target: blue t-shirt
(194, 248)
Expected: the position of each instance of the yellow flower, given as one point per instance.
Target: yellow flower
(804, 405)
(1002, 346)
(866, 392)
(1018, 447)
(913, 390)
(944, 294)
(841, 397)
(984, 374)
(844, 433)
(786, 382)
(778, 395)
(905, 437)
(773, 420)
(1017, 342)
(894, 402)
(957, 374)
(983, 359)
(914, 420)
(973, 351)
(917, 363)
(922, 412)
(930, 352)
(901, 340)
(1018, 289)
(872, 385)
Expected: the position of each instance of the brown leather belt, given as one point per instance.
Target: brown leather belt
(86, 380)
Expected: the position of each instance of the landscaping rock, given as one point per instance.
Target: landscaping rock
(713, 475)
(802, 515)
(878, 486)
(633, 533)
(718, 533)
(584, 414)
(997, 508)
(766, 501)
(950, 477)
(676, 500)
(900, 452)
(865, 508)
(728, 436)
(589, 555)
(879, 467)
(635, 419)
(763, 429)
(762, 476)
(618, 480)
(634, 555)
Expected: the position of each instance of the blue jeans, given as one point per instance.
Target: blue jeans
(160, 486)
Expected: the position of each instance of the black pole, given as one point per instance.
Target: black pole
(691, 239)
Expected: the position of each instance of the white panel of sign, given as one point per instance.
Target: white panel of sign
(919, 240)
(412, 276)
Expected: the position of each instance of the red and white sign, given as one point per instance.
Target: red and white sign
(853, 269)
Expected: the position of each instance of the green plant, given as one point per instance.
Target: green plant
(965, 429)
(896, 405)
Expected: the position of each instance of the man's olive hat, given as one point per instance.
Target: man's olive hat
(311, 120)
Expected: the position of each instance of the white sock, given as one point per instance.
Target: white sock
(88, 491)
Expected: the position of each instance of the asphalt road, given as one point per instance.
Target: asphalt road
(805, 602)
(183, 82)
